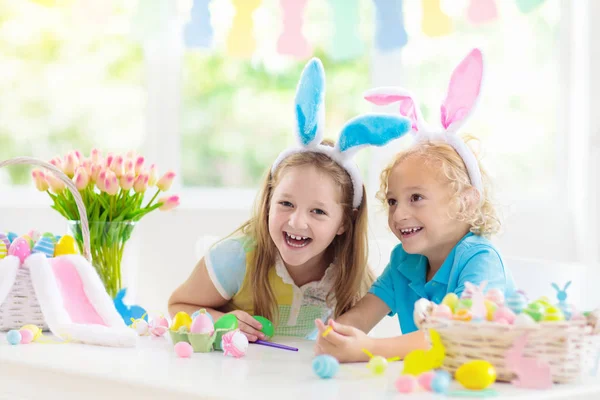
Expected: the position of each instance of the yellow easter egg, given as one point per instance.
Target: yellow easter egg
(462, 315)
(451, 300)
(476, 374)
(66, 245)
(491, 307)
(544, 301)
(34, 329)
(182, 319)
(378, 365)
(3, 250)
(553, 314)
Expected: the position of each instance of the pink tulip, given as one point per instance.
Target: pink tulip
(111, 184)
(129, 167)
(168, 203)
(96, 156)
(166, 181)
(100, 181)
(78, 155)
(130, 155)
(70, 165)
(39, 179)
(56, 185)
(96, 169)
(57, 162)
(81, 178)
(141, 183)
(127, 181)
(152, 175)
(117, 166)
(109, 160)
(139, 163)
(87, 165)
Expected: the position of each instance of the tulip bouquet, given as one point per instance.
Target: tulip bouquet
(113, 189)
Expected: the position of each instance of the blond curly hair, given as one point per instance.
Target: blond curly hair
(481, 216)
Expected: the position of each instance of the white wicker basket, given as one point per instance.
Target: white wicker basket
(21, 306)
(567, 346)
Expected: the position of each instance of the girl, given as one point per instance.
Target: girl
(439, 207)
(303, 254)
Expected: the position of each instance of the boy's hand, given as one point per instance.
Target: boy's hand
(249, 326)
(342, 342)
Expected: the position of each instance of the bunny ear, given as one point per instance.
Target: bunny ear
(370, 129)
(408, 106)
(555, 286)
(463, 91)
(310, 103)
(567, 286)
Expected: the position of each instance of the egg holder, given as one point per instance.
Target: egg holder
(201, 342)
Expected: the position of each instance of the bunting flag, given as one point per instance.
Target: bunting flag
(435, 22)
(150, 17)
(482, 11)
(292, 42)
(390, 33)
(346, 43)
(198, 31)
(526, 6)
(241, 42)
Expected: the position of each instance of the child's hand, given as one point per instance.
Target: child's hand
(342, 341)
(248, 325)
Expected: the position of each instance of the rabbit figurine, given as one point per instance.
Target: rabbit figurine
(531, 372)
(561, 295)
(478, 309)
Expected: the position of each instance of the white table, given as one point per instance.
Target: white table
(153, 371)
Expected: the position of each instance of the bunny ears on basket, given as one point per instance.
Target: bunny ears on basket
(360, 132)
(462, 96)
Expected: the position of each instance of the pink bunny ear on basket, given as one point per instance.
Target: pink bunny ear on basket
(463, 91)
(386, 95)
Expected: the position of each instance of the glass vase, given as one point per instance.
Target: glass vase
(107, 243)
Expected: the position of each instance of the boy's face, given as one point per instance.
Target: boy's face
(420, 206)
(304, 215)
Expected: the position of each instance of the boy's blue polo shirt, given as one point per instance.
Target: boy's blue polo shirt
(474, 259)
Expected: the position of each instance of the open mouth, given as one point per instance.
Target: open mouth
(295, 240)
(410, 232)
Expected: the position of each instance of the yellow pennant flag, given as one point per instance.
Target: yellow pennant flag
(435, 22)
(240, 41)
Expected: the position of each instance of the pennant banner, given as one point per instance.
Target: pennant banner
(346, 43)
(435, 22)
(529, 5)
(390, 33)
(482, 11)
(198, 32)
(241, 42)
(292, 42)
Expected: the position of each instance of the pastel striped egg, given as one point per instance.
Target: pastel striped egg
(51, 236)
(3, 250)
(4, 238)
(516, 302)
(325, 366)
(45, 246)
(12, 236)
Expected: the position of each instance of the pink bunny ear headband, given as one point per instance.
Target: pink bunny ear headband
(462, 96)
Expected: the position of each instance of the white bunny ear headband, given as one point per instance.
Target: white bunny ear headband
(360, 132)
(462, 96)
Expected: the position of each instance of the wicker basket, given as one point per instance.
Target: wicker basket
(21, 306)
(566, 346)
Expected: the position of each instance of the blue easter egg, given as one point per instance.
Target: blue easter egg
(13, 337)
(441, 381)
(12, 236)
(45, 246)
(195, 314)
(325, 366)
(516, 302)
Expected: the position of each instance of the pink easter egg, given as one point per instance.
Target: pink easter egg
(183, 350)
(504, 313)
(425, 380)
(26, 336)
(234, 343)
(406, 384)
(202, 324)
(442, 311)
(495, 296)
(20, 248)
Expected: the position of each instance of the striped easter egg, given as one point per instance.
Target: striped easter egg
(4, 238)
(3, 250)
(325, 366)
(516, 302)
(45, 246)
(50, 235)
(12, 236)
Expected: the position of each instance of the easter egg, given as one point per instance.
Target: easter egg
(34, 329)
(406, 384)
(141, 327)
(442, 311)
(26, 336)
(451, 300)
(535, 310)
(12, 236)
(13, 337)
(464, 304)
(44, 246)
(496, 296)
(34, 235)
(66, 245)
(202, 324)
(4, 239)
(524, 320)
(267, 326)
(234, 344)
(50, 236)
(181, 319)
(3, 250)
(183, 350)
(377, 365)
(516, 301)
(504, 315)
(425, 379)
(441, 382)
(228, 322)
(462, 315)
(159, 326)
(545, 301)
(553, 314)
(197, 312)
(490, 307)
(476, 374)
(20, 248)
(29, 240)
(325, 366)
